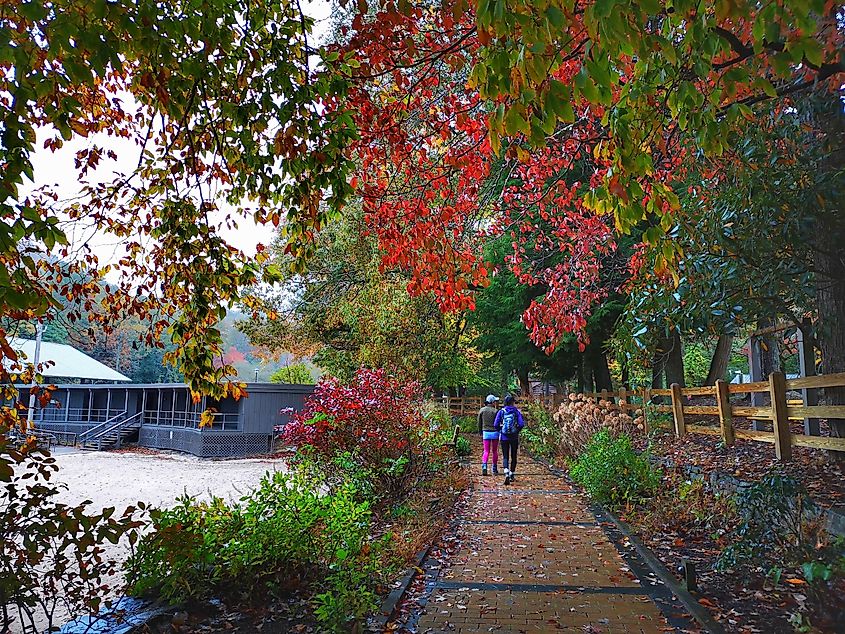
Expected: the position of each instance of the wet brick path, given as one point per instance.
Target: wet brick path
(535, 558)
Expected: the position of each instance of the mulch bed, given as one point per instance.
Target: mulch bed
(749, 460)
(740, 603)
(135, 449)
(444, 548)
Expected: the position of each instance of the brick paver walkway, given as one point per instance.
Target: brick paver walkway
(534, 558)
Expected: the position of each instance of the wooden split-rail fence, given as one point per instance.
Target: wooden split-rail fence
(779, 412)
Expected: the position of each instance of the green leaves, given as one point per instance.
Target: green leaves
(239, 115)
(559, 101)
(555, 16)
(515, 120)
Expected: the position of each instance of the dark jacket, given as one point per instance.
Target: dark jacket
(486, 418)
(520, 422)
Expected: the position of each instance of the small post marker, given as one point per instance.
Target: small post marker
(689, 575)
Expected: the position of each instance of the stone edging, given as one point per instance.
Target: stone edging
(388, 606)
(698, 611)
(723, 482)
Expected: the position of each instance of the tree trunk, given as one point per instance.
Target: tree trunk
(830, 276)
(579, 375)
(719, 362)
(657, 372)
(675, 361)
(769, 348)
(602, 372)
(522, 377)
(830, 295)
(587, 371)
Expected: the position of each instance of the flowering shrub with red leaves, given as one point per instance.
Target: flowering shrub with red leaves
(375, 416)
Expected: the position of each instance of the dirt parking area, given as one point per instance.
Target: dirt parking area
(120, 479)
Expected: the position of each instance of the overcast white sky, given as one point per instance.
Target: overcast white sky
(57, 168)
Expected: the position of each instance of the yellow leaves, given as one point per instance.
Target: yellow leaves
(207, 418)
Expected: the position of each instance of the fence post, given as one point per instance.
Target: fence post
(461, 409)
(604, 395)
(807, 363)
(646, 401)
(723, 400)
(623, 399)
(780, 418)
(678, 410)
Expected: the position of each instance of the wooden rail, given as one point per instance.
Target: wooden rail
(780, 412)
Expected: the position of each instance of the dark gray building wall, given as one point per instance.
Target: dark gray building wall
(249, 428)
(263, 409)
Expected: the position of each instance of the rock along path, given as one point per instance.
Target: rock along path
(534, 557)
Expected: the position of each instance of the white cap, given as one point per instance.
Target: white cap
(492, 398)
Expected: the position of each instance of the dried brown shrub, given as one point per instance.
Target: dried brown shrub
(580, 418)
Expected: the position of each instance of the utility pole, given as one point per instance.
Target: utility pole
(39, 333)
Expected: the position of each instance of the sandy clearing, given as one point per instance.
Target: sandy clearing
(123, 479)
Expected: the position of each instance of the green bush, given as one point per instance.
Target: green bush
(542, 435)
(286, 529)
(54, 557)
(462, 446)
(438, 418)
(612, 472)
(467, 424)
(696, 363)
(781, 527)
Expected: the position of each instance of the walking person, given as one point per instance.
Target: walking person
(489, 433)
(509, 422)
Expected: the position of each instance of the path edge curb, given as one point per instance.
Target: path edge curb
(698, 611)
(388, 606)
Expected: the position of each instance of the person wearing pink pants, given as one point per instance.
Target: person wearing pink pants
(489, 433)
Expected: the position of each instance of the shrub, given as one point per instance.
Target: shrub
(612, 472)
(437, 418)
(780, 526)
(467, 424)
(51, 554)
(579, 419)
(284, 533)
(542, 435)
(687, 505)
(462, 446)
(696, 363)
(376, 418)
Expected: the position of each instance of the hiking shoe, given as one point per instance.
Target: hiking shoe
(507, 479)
(495, 470)
(513, 477)
(484, 471)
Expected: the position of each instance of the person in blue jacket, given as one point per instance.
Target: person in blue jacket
(509, 422)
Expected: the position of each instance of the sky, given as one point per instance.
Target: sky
(56, 169)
